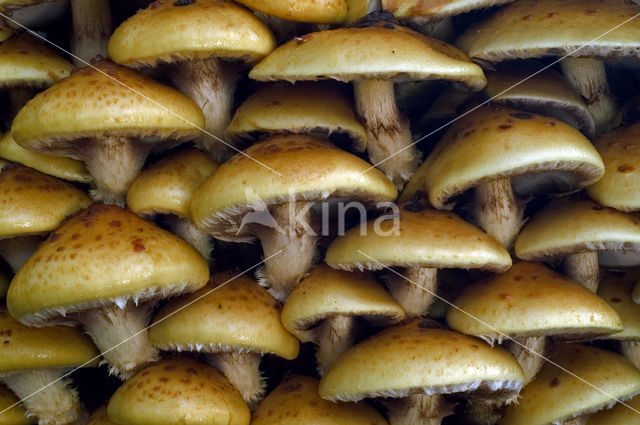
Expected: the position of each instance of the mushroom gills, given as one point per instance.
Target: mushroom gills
(242, 369)
(415, 291)
(418, 409)
(334, 336)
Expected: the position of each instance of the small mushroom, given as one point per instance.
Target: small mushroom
(12, 412)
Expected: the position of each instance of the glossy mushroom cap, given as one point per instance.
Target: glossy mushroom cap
(178, 391)
(403, 9)
(14, 414)
(312, 11)
(615, 288)
(618, 414)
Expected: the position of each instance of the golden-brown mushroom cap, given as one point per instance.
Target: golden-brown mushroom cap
(12, 413)
(618, 414)
(312, 11)
(615, 288)
(403, 9)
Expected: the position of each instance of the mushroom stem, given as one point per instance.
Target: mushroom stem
(441, 29)
(631, 350)
(210, 84)
(92, 28)
(414, 292)
(529, 352)
(18, 96)
(284, 29)
(243, 371)
(47, 395)
(121, 336)
(589, 78)
(583, 268)
(487, 410)
(114, 163)
(289, 247)
(418, 409)
(497, 210)
(580, 420)
(388, 133)
(334, 336)
(184, 228)
(16, 251)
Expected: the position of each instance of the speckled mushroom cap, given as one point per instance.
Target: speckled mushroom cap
(26, 348)
(283, 168)
(15, 415)
(403, 9)
(104, 255)
(427, 238)
(326, 292)
(178, 391)
(566, 227)
(615, 288)
(4, 284)
(532, 29)
(381, 51)
(57, 166)
(620, 151)
(531, 300)
(514, 144)
(168, 185)
(394, 362)
(618, 414)
(35, 203)
(105, 99)
(301, 108)
(231, 314)
(296, 401)
(555, 395)
(172, 31)
(312, 11)
(25, 62)
(100, 417)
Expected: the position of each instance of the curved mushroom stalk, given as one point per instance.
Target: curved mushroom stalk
(185, 229)
(334, 336)
(418, 409)
(210, 83)
(389, 136)
(530, 354)
(497, 210)
(92, 28)
(121, 336)
(488, 410)
(415, 293)
(46, 395)
(243, 371)
(631, 350)
(16, 251)
(18, 96)
(589, 78)
(583, 268)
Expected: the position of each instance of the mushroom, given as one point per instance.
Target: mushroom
(373, 57)
(325, 306)
(579, 32)
(521, 153)
(34, 364)
(104, 268)
(200, 37)
(12, 412)
(620, 414)
(167, 187)
(420, 240)
(32, 205)
(235, 322)
(110, 117)
(413, 365)
(582, 234)
(267, 192)
(178, 391)
(578, 381)
(100, 417)
(296, 401)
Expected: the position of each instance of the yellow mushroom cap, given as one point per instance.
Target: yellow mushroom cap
(312, 11)
(326, 292)
(495, 142)
(567, 227)
(105, 99)
(167, 31)
(168, 185)
(4, 284)
(231, 314)
(618, 415)
(283, 168)
(403, 9)
(57, 166)
(300, 108)
(427, 238)
(25, 348)
(532, 29)
(178, 391)
(103, 255)
(33, 203)
(381, 51)
(296, 401)
(15, 415)
(557, 395)
(531, 300)
(620, 151)
(25, 62)
(615, 288)
(410, 357)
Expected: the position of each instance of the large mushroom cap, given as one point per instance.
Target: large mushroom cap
(495, 142)
(171, 31)
(403, 9)
(615, 288)
(557, 395)
(231, 314)
(312, 11)
(280, 169)
(104, 255)
(412, 357)
(178, 391)
(618, 415)
(531, 300)
(12, 412)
